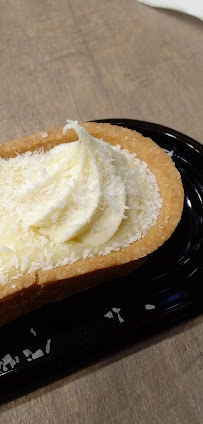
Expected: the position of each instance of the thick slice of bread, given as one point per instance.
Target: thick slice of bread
(40, 287)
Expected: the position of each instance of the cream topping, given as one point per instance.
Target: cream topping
(74, 201)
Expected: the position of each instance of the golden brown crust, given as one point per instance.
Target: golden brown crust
(34, 290)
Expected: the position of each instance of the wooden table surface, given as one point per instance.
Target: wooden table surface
(101, 59)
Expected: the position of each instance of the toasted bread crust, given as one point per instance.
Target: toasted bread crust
(34, 290)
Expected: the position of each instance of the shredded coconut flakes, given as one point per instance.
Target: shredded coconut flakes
(146, 206)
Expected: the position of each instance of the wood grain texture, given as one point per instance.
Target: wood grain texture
(100, 59)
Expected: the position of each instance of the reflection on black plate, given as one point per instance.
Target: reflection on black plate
(60, 338)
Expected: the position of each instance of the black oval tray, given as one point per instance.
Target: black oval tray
(62, 337)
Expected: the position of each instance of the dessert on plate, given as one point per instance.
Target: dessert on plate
(79, 206)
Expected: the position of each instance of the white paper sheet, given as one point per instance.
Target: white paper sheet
(192, 7)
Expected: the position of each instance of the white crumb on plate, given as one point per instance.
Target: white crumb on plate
(37, 354)
(27, 352)
(7, 359)
(169, 152)
(149, 307)
(48, 346)
(108, 315)
(17, 359)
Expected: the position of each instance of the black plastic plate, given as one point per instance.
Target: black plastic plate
(62, 337)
